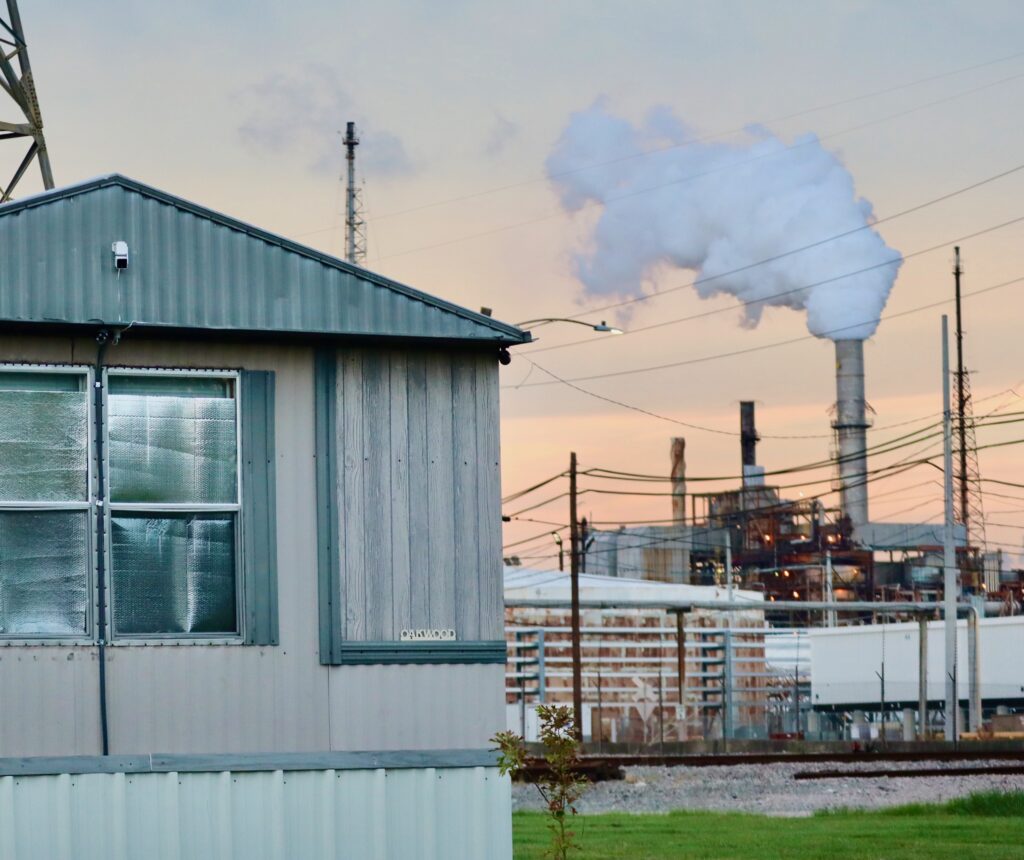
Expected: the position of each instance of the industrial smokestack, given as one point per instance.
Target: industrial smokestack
(677, 454)
(681, 546)
(851, 426)
(748, 433)
(753, 475)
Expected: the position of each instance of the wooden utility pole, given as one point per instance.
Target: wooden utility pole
(574, 568)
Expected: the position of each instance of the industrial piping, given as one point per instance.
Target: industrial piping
(851, 426)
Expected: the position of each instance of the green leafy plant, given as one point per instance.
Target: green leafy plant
(558, 781)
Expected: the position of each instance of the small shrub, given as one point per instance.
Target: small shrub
(559, 784)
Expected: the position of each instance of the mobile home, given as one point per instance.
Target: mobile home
(250, 563)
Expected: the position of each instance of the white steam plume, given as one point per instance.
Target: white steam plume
(714, 208)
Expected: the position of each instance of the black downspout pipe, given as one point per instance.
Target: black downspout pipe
(102, 341)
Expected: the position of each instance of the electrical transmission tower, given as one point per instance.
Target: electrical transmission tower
(19, 86)
(355, 226)
(967, 502)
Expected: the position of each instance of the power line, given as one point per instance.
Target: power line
(513, 496)
(538, 505)
(729, 166)
(545, 534)
(762, 347)
(685, 143)
(886, 470)
(709, 278)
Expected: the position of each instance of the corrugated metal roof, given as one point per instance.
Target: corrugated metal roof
(192, 268)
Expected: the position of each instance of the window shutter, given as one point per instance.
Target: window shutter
(328, 561)
(259, 508)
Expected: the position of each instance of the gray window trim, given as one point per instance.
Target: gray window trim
(236, 637)
(87, 506)
(418, 653)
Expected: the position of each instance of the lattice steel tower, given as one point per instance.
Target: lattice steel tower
(967, 501)
(355, 226)
(20, 87)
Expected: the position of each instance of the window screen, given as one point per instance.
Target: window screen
(173, 479)
(44, 503)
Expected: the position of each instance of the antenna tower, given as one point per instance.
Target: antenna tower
(355, 226)
(967, 502)
(19, 86)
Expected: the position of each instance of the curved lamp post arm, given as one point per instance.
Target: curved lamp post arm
(601, 326)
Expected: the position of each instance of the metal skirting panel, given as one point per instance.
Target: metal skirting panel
(382, 814)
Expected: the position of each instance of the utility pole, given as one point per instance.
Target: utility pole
(949, 551)
(574, 574)
(355, 227)
(961, 402)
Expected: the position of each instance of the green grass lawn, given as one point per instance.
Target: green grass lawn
(989, 825)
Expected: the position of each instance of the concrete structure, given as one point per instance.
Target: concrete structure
(249, 507)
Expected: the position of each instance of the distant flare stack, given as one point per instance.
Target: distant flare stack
(851, 426)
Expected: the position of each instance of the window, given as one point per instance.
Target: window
(45, 527)
(174, 504)
(189, 515)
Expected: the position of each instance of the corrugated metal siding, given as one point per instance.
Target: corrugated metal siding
(192, 268)
(428, 814)
(224, 698)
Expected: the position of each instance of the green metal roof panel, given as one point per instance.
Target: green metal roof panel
(192, 268)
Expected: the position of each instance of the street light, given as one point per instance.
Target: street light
(601, 326)
(561, 552)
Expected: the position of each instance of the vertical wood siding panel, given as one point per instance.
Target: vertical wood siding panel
(401, 585)
(440, 492)
(465, 468)
(377, 527)
(419, 493)
(488, 526)
(350, 378)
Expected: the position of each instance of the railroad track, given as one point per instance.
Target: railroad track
(726, 759)
(910, 772)
(598, 768)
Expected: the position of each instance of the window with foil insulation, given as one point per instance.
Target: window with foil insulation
(174, 491)
(45, 529)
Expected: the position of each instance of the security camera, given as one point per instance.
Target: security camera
(120, 250)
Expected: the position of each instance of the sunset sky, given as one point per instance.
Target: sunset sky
(236, 105)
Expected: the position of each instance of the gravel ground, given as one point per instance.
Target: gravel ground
(771, 790)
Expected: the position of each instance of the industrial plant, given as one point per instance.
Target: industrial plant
(720, 623)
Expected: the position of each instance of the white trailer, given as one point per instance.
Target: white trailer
(847, 664)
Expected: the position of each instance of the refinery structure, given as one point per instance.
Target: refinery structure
(801, 548)
(730, 619)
